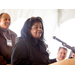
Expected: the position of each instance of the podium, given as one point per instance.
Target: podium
(65, 62)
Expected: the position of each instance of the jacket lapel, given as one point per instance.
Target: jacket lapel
(1, 33)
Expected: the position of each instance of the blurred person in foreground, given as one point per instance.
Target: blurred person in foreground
(31, 48)
(7, 39)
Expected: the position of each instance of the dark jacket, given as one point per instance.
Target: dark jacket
(5, 51)
(53, 60)
(29, 51)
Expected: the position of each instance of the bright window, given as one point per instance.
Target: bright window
(67, 30)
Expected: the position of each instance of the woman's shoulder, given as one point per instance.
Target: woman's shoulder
(22, 39)
(23, 42)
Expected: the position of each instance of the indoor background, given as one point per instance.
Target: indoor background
(57, 22)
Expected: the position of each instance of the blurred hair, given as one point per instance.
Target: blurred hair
(62, 48)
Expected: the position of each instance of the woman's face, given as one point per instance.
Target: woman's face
(36, 30)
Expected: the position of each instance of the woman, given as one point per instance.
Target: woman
(30, 48)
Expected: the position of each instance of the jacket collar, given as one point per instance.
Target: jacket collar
(41, 45)
(33, 41)
(10, 32)
(1, 33)
(3, 30)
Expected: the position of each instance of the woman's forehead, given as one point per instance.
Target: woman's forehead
(37, 24)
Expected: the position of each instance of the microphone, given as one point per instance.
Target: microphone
(64, 44)
(58, 39)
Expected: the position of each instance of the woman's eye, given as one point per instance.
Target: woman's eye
(40, 27)
(36, 27)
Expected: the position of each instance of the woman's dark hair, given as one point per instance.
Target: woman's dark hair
(28, 24)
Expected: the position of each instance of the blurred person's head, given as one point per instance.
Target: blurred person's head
(62, 53)
(5, 20)
(33, 27)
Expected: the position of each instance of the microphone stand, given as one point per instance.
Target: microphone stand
(64, 44)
